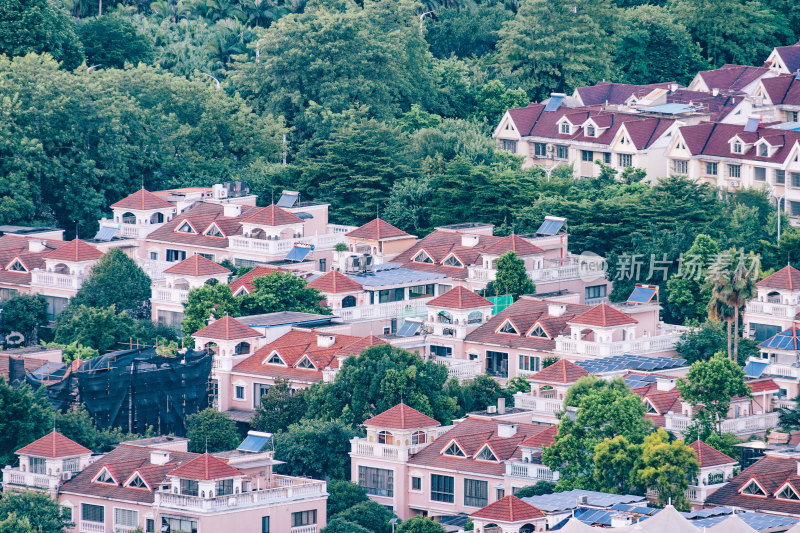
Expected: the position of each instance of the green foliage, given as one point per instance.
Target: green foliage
(112, 41)
(686, 291)
(26, 417)
(518, 384)
(116, 280)
(41, 513)
(79, 426)
(74, 351)
(339, 525)
(724, 442)
(420, 524)
(25, 314)
(343, 495)
(537, 489)
(512, 278)
(614, 461)
(38, 26)
(588, 385)
(702, 343)
(101, 328)
(467, 31)
(212, 431)
(280, 407)
(370, 515)
(315, 448)
(377, 380)
(282, 291)
(493, 100)
(212, 299)
(667, 466)
(476, 394)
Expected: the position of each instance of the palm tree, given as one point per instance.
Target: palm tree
(718, 308)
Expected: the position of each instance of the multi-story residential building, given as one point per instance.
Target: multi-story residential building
(169, 294)
(156, 485)
(378, 239)
(780, 98)
(411, 463)
(735, 79)
(715, 470)
(784, 59)
(775, 306)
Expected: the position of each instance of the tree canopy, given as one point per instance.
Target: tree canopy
(116, 280)
(211, 431)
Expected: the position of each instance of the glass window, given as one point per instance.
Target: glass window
(421, 291)
(737, 147)
(377, 481)
(6, 294)
(529, 362)
(595, 291)
(734, 171)
(500, 493)
(264, 524)
(441, 351)
(625, 160)
(780, 177)
(711, 168)
(210, 257)
(37, 465)
(71, 465)
(442, 488)
(239, 392)
(564, 127)
(590, 131)
(189, 487)
(760, 174)
(304, 518)
(55, 305)
(385, 437)
(454, 450)
(416, 483)
(418, 437)
(173, 525)
(763, 150)
(474, 317)
(175, 255)
(539, 149)
(680, 166)
(791, 116)
(607, 158)
(795, 179)
(224, 487)
(562, 152)
(391, 295)
(126, 517)
(92, 513)
(476, 493)
(497, 364)
(511, 146)
(587, 155)
(486, 455)
(154, 256)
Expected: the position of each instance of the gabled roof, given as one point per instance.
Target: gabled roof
(206, 467)
(708, 456)
(246, 280)
(605, 316)
(197, 265)
(401, 416)
(787, 278)
(770, 473)
(508, 509)
(376, 230)
(273, 215)
(53, 445)
(615, 93)
(562, 371)
(732, 78)
(542, 440)
(360, 345)
(460, 298)
(335, 282)
(513, 243)
(227, 329)
(200, 218)
(790, 56)
(763, 385)
(75, 250)
(142, 200)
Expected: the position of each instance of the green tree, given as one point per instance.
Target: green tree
(212, 299)
(407, 207)
(370, 515)
(116, 280)
(25, 314)
(16, 524)
(101, 328)
(38, 26)
(589, 385)
(702, 343)
(377, 380)
(710, 385)
(493, 100)
(339, 525)
(537, 489)
(112, 41)
(26, 417)
(78, 425)
(343, 495)
(466, 31)
(279, 408)
(211, 431)
(37, 508)
(476, 394)
(74, 351)
(282, 291)
(420, 524)
(614, 460)
(315, 448)
(512, 278)
(667, 465)
(724, 442)
(687, 292)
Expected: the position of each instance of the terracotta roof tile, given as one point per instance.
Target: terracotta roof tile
(206, 467)
(615, 93)
(197, 265)
(335, 282)
(562, 371)
(200, 218)
(75, 250)
(708, 456)
(246, 280)
(763, 385)
(401, 416)
(361, 344)
(771, 473)
(513, 243)
(508, 509)
(542, 440)
(604, 315)
(142, 200)
(460, 298)
(787, 278)
(53, 445)
(273, 216)
(227, 329)
(376, 230)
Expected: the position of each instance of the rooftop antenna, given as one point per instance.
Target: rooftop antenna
(206, 444)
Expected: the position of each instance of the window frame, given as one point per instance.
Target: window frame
(443, 488)
(473, 486)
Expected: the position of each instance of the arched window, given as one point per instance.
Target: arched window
(128, 218)
(157, 218)
(242, 348)
(349, 301)
(384, 437)
(445, 317)
(474, 317)
(418, 437)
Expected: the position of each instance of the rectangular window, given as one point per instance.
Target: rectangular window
(93, 513)
(734, 171)
(154, 256)
(497, 364)
(377, 481)
(680, 167)
(791, 116)
(323, 265)
(760, 174)
(780, 177)
(169, 318)
(126, 517)
(171, 525)
(150, 526)
(264, 524)
(794, 208)
(500, 493)
(7, 294)
(224, 487)
(239, 392)
(71, 465)
(37, 465)
(304, 518)
(511, 146)
(66, 512)
(175, 255)
(416, 483)
(595, 291)
(391, 295)
(587, 155)
(607, 158)
(441, 351)
(795, 179)
(476, 493)
(529, 363)
(442, 488)
(210, 257)
(625, 160)
(421, 291)
(189, 487)
(711, 169)
(564, 128)
(539, 149)
(562, 152)
(55, 305)
(259, 390)
(246, 263)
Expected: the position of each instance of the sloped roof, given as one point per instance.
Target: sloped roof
(763, 385)
(401, 416)
(142, 200)
(246, 280)
(75, 250)
(273, 215)
(771, 473)
(227, 329)
(787, 278)
(542, 440)
(460, 298)
(335, 282)
(604, 315)
(562, 371)
(53, 445)
(615, 93)
(206, 467)
(508, 509)
(732, 77)
(708, 456)
(360, 345)
(783, 89)
(376, 230)
(513, 243)
(197, 265)
(200, 217)
(790, 56)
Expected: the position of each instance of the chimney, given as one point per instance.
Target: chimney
(506, 430)
(231, 210)
(665, 384)
(36, 246)
(326, 341)
(501, 406)
(468, 241)
(556, 309)
(159, 457)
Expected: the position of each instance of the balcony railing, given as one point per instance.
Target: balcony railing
(530, 471)
(130, 231)
(92, 527)
(746, 425)
(363, 448)
(546, 406)
(560, 273)
(171, 295)
(14, 476)
(286, 489)
(643, 345)
(771, 309)
(283, 246)
(43, 278)
(405, 308)
(304, 529)
(460, 368)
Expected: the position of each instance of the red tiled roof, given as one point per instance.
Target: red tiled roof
(142, 200)
(197, 265)
(200, 217)
(787, 278)
(713, 139)
(401, 416)
(206, 467)
(708, 456)
(662, 401)
(790, 56)
(335, 282)
(513, 243)
(273, 216)
(563, 371)
(75, 250)
(771, 473)
(615, 93)
(376, 230)
(246, 280)
(361, 344)
(732, 78)
(508, 509)
(542, 440)
(604, 315)
(53, 445)
(783, 89)
(764, 385)
(460, 298)
(227, 329)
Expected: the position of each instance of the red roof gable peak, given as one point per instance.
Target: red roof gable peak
(787, 278)
(401, 416)
(272, 215)
(562, 371)
(460, 298)
(206, 467)
(227, 328)
(376, 230)
(509, 509)
(197, 265)
(75, 250)
(604, 315)
(53, 445)
(142, 200)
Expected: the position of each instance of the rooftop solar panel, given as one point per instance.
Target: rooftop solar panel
(551, 226)
(297, 253)
(754, 369)
(554, 103)
(409, 329)
(288, 199)
(752, 124)
(254, 443)
(105, 234)
(642, 295)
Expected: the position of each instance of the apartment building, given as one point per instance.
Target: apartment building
(170, 293)
(780, 98)
(784, 59)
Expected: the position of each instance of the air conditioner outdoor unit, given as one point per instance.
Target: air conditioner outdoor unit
(549, 156)
(66, 476)
(549, 147)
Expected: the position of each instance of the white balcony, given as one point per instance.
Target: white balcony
(92, 527)
(746, 425)
(130, 231)
(530, 472)
(774, 310)
(363, 448)
(560, 273)
(284, 489)
(304, 529)
(404, 308)
(641, 346)
(460, 368)
(283, 246)
(18, 478)
(542, 406)
(170, 295)
(56, 280)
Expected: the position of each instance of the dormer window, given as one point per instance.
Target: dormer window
(104, 476)
(16, 266)
(305, 362)
(214, 231)
(485, 454)
(539, 332)
(274, 359)
(454, 450)
(422, 257)
(137, 482)
(763, 150)
(737, 147)
(787, 493)
(752, 488)
(564, 128)
(508, 327)
(185, 227)
(650, 407)
(453, 261)
(590, 132)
